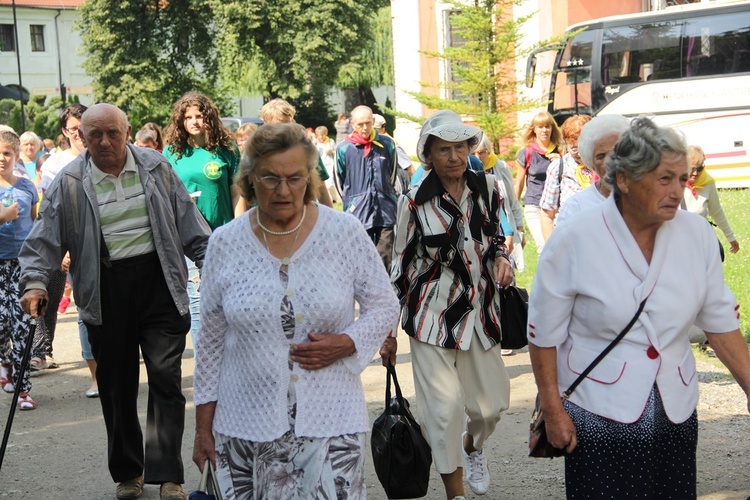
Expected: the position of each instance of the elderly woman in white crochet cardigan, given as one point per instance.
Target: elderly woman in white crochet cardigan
(280, 408)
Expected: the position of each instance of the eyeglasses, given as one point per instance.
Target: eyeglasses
(698, 169)
(73, 130)
(272, 182)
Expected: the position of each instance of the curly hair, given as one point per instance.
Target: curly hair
(175, 135)
(641, 149)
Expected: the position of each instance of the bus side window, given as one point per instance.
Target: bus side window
(724, 40)
(741, 61)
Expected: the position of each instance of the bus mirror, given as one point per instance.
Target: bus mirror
(530, 70)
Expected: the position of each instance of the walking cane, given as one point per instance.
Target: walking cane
(24, 366)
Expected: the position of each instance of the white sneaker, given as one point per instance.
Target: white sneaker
(476, 472)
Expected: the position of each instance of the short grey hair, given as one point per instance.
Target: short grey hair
(598, 128)
(29, 137)
(485, 144)
(145, 134)
(640, 150)
(269, 140)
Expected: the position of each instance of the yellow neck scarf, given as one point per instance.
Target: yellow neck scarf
(703, 180)
(491, 161)
(585, 176)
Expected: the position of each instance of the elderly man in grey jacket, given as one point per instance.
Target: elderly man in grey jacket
(127, 221)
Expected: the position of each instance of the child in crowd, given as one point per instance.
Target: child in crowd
(14, 323)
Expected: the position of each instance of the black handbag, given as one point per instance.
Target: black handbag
(514, 315)
(400, 453)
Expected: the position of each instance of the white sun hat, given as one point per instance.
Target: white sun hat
(379, 121)
(448, 126)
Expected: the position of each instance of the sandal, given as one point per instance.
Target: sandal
(7, 384)
(37, 364)
(51, 363)
(6, 381)
(25, 402)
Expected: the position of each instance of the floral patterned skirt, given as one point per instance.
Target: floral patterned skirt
(292, 467)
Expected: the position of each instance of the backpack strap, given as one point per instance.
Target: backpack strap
(529, 154)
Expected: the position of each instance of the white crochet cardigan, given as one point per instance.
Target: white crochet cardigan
(241, 352)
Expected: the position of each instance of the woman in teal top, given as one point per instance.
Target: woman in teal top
(206, 159)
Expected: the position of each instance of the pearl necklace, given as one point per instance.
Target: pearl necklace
(281, 233)
(288, 259)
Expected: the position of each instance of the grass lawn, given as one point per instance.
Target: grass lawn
(736, 203)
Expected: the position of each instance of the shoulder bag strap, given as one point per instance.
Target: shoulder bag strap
(606, 351)
(560, 168)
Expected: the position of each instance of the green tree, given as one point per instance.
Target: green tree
(483, 66)
(372, 65)
(42, 115)
(293, 49)
(144, 54)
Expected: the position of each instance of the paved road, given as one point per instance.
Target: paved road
(59, 450)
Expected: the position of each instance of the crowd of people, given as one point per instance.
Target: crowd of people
(234, 239)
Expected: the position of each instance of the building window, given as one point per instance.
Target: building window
(37, 38)
(453, 69)
(7, 40)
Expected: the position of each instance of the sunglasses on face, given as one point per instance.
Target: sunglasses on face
(698, 169)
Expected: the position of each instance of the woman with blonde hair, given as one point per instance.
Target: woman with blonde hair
(543, 143)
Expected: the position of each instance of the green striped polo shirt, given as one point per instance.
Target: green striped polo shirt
(122, 211)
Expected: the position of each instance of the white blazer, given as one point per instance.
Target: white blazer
(590, 279)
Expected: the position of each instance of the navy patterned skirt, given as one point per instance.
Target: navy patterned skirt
(650, 458)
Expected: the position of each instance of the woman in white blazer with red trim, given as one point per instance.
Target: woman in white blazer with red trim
(630, 428)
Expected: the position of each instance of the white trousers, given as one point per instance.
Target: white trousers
(458, 391)
(533, 216)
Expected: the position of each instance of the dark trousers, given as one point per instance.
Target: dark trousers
(138, 311)
(383, 239)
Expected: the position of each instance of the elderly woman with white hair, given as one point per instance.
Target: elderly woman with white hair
(630, 429)
(497, 167)
(597, 139)
(449, 258)
(31, 146)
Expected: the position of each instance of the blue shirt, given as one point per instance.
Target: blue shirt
(13, 234)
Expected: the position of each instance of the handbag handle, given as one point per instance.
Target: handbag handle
(208, 470)
(606, 351)
(391, 372)
(204, 478)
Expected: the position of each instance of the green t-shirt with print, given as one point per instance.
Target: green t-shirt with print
(212, 174)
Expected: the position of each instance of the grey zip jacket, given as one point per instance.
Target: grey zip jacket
(69, 222)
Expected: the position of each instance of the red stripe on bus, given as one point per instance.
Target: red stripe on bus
(727, 154)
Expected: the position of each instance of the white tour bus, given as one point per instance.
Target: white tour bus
(687, 67)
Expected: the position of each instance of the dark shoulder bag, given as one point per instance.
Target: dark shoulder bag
(400, 453)
(514, 316)
(514, 301)
(539, 447)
